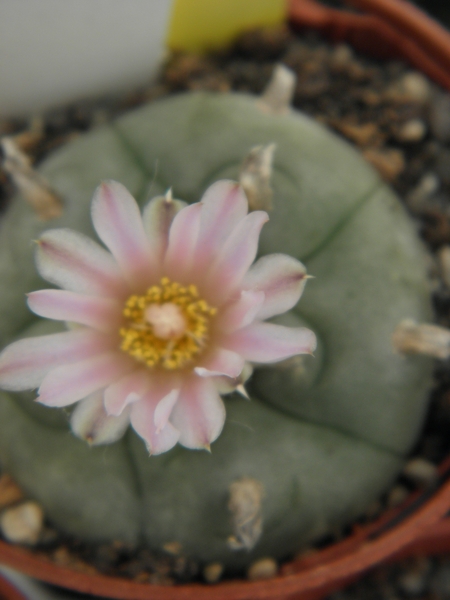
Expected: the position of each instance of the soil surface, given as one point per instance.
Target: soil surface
(400, 121)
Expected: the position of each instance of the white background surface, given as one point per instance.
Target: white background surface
(56, 51)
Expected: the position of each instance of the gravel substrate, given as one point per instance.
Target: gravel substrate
(401, 123)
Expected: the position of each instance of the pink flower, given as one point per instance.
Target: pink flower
(164, 323)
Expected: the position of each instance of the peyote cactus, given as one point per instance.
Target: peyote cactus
(322, 436)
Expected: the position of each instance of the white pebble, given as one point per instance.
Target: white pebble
(421, 471)
(213, 572)
(264, 568)
(427, 186)
(416, 86)
(22, 524)
(412, 131)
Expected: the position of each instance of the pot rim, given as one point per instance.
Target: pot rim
(419, 524)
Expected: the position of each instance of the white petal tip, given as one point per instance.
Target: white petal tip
(90, 422)
(240, 389)
(201, 372)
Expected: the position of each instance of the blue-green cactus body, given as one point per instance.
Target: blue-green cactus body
(324, 436)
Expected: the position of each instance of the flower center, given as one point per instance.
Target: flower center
(168, 326)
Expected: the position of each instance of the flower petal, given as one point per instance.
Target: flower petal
(224, 206)
(157, 217)
(119, 225)
(126, 390)
(25, 363)
(267, 342)
(143, 422)
(101, 313)
(221, 362)
(236, 256)
(74, 262)
(227, 385)
(164, 409)
(242, 312)
(90, 422)
(199, 414)
(182, 240)
(281, 278)
(68, 383)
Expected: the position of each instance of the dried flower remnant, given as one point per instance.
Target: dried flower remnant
(278, 95)
(167, 321)
(255, 176)
(430, 340)
(34, 188)
(245, 505)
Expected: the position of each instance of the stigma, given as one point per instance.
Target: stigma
(167, 320)
(168, 326)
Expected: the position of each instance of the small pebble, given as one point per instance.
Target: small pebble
(422, 192)
(414, 580)
(213, 572)
(158, 579)
(63, 557)
(397, 495)
(10, 493)
(388, 161)
(412, 131)
(22, 524)
(420, 471)
(356, 71)
(415, 86)
(173, 548)
(362, 134)
(264, 568)
(370, 97)
(341, 57)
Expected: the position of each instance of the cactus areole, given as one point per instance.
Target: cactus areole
(320, 438)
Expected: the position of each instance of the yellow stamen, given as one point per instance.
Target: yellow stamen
(168, 326)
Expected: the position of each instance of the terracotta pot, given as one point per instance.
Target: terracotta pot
(392, 28)
(8, 591)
